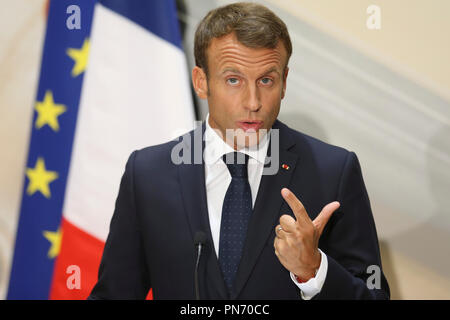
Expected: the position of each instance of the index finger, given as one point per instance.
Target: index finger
(297, 207)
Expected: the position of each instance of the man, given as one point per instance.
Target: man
(263, 231)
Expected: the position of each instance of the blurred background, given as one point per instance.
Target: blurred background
(383, 93)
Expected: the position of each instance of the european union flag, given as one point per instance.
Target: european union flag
(64, 59)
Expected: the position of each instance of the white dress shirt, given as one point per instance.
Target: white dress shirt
(217, 181)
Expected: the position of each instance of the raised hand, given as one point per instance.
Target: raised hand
(296, 242)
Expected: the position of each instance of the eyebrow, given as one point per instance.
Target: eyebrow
(233, 70)
(270, 70)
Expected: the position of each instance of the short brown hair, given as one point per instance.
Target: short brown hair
(255, 26)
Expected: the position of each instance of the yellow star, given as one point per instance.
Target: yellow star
(48, 112)
(80, 56)
(55, 242)
(40, 178)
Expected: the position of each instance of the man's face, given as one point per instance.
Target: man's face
(245, 85)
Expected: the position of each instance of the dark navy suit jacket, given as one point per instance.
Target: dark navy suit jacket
(161, 206)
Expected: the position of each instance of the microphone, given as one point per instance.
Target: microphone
(199, 242)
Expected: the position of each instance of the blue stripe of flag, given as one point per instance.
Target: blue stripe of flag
(32, 269)
(157, 16)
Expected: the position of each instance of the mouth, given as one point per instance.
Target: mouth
(250, 125)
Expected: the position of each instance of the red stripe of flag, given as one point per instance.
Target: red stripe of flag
(76, 267)
(79, 251)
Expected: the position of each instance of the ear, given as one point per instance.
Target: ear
(199, 82)
(286, 71)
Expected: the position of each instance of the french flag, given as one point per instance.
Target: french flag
(113, 79)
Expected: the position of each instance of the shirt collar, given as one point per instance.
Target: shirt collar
(215, 146)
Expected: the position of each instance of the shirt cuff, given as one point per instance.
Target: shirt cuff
(314, 285)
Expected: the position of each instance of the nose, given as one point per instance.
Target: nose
(252, 101)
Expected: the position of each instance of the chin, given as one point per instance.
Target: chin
(247, 139)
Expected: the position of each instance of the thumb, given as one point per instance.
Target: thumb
(322, 219)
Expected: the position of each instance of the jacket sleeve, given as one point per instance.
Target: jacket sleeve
(351, 243)
(123, 273)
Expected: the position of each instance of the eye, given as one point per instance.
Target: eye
(233, 81)
(266, 81)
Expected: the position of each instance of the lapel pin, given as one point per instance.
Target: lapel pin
(285, 166)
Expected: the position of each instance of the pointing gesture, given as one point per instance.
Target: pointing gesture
(296, 242)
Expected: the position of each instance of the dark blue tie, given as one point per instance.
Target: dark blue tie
(236, 212)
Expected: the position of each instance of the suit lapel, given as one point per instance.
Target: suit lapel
(193, 190)
(267, 207)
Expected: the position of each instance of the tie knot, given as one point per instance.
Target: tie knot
(236, 163)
